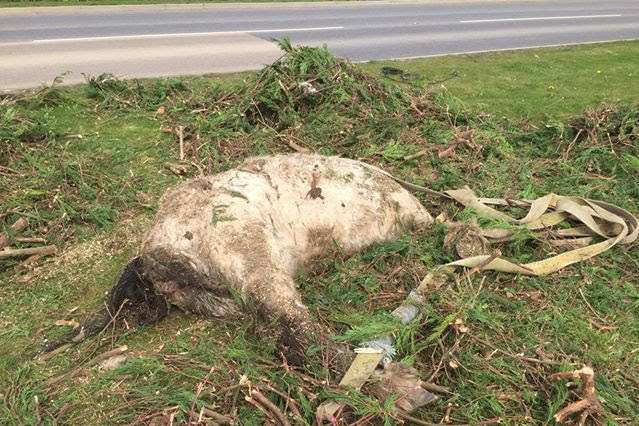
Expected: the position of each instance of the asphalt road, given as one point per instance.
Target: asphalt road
(37, 44)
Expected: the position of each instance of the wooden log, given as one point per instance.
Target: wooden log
(32, 240)
(43, 251)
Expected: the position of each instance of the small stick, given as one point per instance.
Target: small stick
(17, 226)
(180, 132)
(62, 411)
(435, 388)
(290, 401)
(259, 397)
(217, 417)
(588, 404)
(515, 356)
(590, 306)
(43, 251)
(10, 170)
(417, 155)
(34, 240)
(259, 407)
(47, 356)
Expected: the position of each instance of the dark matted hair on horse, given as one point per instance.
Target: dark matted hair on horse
(136, 297)
(133, 298)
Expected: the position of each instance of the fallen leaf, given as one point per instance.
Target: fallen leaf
(459, 326)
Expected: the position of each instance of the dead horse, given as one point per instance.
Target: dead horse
(241, 236)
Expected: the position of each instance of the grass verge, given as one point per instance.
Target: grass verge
(86, 166)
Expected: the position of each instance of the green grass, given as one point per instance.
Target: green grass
(535, 84)
(95, 195)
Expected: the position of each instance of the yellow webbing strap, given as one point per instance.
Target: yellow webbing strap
(598, 218)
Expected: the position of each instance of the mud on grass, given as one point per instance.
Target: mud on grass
(95, 195)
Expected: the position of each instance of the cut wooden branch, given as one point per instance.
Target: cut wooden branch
(47, 356)
(260, 407)
(588, 405)
(435, 388)
(218, 418)
(180, 133)
(42, 251)
(17, 226)
(272, 408)
(30, 240)
(290, 402)
(417, 155)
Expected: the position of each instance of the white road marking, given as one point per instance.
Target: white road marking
(539, 18)
(143, 36)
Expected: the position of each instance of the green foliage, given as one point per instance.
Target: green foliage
(20, 126)
(366, 327)
(112, 92)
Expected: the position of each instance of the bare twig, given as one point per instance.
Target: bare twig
(43, 251)
(290, 402)
(277, 413)
(288, 140)
(34, 240)
(435, 388)
(48, 355)
(4, 170)
(217, 417)
(589, 404)
(180, 133)
(260, 407)
(30, 260)
(198, 391)
(590, 307)
(571, 144)
(417, 155)
(516, 356)
(630, 378)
